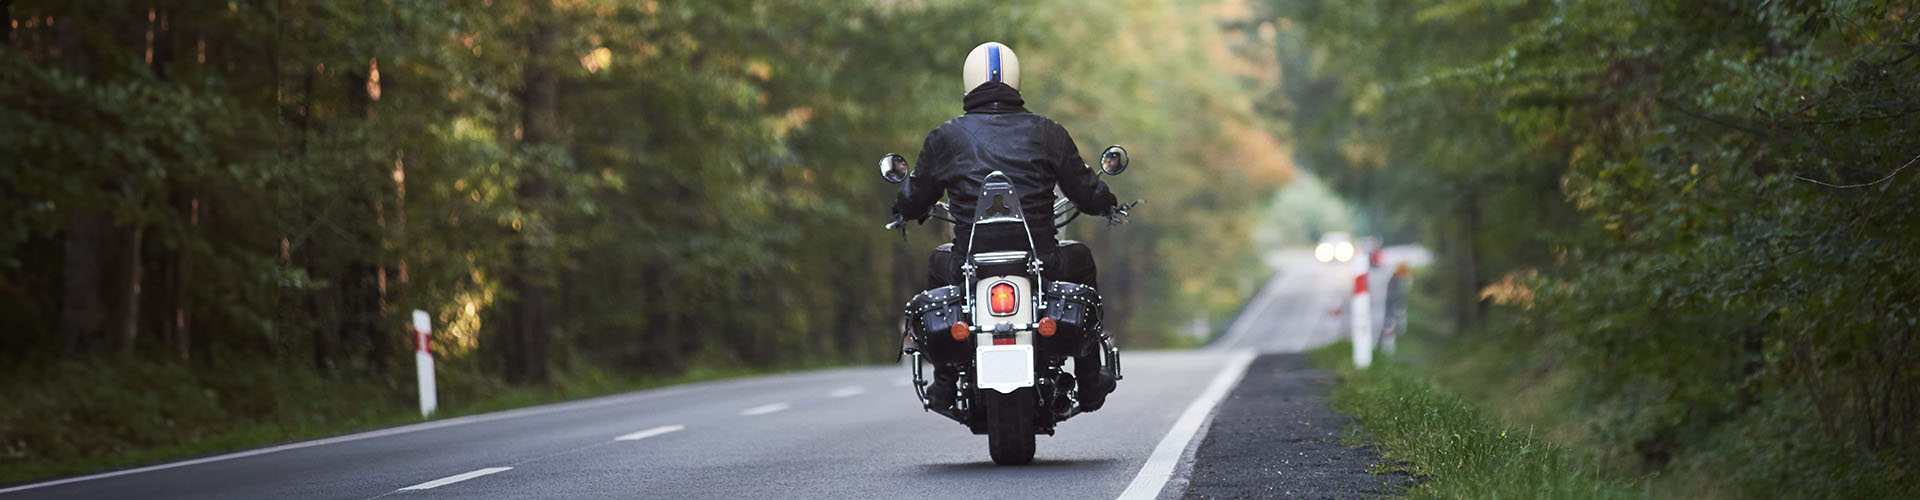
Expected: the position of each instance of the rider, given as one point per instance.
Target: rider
(998, 133)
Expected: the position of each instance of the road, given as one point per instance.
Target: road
(845, 433)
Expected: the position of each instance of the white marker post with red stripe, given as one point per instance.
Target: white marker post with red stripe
(1360, 315)
(423, 361)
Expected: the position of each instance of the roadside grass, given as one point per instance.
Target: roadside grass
(1505, 410)
(1450, 445)
(85, 416)
(1770, 448)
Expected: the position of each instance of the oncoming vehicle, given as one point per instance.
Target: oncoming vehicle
(1334, 246)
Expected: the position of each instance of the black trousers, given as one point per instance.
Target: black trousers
(1071, 262)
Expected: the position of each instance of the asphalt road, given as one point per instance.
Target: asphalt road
(847, 433)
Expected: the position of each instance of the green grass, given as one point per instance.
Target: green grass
(76, 417)
(1505, 410)
(1451, 447)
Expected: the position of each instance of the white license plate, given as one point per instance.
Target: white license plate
(1004, 367)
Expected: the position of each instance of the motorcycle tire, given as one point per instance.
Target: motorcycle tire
(1010, 428)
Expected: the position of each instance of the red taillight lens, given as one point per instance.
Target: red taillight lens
(1000, 299)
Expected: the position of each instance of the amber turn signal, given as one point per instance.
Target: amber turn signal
(960, 331)
(1047, 326)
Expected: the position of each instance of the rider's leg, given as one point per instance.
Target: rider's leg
(1076, 265)
(942, 267)
(942, 270)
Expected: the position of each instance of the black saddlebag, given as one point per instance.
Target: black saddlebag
(1075, 309)
(930, 317)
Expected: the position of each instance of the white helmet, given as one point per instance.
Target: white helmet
(992, 62)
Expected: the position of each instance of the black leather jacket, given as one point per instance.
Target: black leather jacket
(997, 133)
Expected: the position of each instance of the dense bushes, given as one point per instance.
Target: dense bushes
(1698, 213)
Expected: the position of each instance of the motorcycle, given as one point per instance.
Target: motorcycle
(1015, 328)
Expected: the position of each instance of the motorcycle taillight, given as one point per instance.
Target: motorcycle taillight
(1001, 299)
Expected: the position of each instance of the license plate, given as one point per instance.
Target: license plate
(1004, 367)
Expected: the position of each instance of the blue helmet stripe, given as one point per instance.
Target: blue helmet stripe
(993, 63)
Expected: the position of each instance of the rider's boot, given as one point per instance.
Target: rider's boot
(946, 380)
(1094, 381)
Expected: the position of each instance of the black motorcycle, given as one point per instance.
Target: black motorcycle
(1015, 328)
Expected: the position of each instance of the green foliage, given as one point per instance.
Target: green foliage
(193, 183)
(1693, 210)
(1298, 214)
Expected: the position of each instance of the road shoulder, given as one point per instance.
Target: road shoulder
(1275, 436)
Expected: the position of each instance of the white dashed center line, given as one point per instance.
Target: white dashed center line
(848, 391)
(455, 479)
(651, 432)
(764, 409)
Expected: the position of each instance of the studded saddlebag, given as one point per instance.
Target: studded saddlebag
(1075, 308)
(930, 318)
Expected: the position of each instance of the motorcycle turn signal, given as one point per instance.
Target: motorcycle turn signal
(1047, 326)
(960, 331)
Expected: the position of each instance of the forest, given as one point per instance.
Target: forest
(1677, 235)
(218, 216)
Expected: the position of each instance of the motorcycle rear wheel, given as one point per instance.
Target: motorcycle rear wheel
(1010, 427)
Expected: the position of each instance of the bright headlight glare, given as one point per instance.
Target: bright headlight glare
(1323, 253)
(1344, 251)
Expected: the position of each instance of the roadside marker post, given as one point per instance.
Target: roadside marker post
(1360, 315)
(422, 329)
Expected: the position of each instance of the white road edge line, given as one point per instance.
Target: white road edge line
(1237, 331)
(764, 409)
(847, 392)
(651, 432)
(1159, 467)
(454, 479)
(470, 419)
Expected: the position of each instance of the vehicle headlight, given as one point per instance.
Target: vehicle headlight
(1343, 251)
(1323, 252)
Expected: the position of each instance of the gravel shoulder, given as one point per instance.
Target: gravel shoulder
(1275, 437)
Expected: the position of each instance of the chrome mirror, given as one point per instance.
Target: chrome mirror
(1113, 161)
(893, 168)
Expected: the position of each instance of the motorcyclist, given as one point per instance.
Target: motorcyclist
(998, 133)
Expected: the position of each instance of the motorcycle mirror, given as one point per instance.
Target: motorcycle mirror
(1113, 161)
(893, 168)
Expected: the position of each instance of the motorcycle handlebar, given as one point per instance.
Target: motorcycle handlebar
(1063, 213)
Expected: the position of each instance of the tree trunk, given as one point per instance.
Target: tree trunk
(361, 293)
(528, 364)
(322, 345)
(170, 285)
(183, 281)
(125, 286)
(6, 7)
(1468, 305)
(81, 310)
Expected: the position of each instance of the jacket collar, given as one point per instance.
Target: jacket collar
(994, 98)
